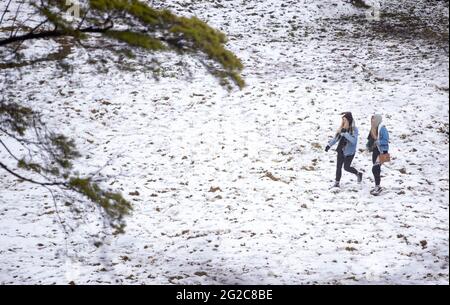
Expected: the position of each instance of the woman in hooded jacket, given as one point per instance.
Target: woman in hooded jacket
(378, 143)
(347, 139)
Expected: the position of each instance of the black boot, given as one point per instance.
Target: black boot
(360, 177)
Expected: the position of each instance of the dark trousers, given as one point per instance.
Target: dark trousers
(345, 161)
(376, 169)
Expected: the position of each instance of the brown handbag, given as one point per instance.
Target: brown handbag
(384, 158)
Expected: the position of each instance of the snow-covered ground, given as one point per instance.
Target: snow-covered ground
(233, 187)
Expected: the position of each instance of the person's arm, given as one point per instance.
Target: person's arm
(332, 142)
(383, 140)
(384, 136)
(352, 138)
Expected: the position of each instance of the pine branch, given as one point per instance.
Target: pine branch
(31, 180)
(52, 33)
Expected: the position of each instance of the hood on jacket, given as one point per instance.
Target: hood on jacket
(377, 119)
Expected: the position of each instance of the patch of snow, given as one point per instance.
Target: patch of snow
(176, 140)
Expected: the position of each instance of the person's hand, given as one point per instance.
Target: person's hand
(327, 148)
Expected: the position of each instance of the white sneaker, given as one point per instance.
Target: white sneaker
(376, 191)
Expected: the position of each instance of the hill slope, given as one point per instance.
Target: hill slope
(232, 187)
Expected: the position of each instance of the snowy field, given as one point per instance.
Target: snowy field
(233, 187)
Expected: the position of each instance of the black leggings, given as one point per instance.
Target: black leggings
(345, 161)
(376, 168)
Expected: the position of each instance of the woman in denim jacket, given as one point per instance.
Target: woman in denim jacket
(378, 143)
(347, 139)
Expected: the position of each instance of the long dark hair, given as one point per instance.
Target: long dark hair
(349, 117)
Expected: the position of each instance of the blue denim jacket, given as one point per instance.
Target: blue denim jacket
(383, 139)
(352, 141)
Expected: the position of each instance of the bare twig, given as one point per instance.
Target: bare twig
(15, 19)
(4, 12)
(82, 20)
(8, 150)
(58, 215)
(20, 140)
(32, 31)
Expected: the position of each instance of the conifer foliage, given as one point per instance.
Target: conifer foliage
(139, 26)
(46, 158)
(49, 161)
